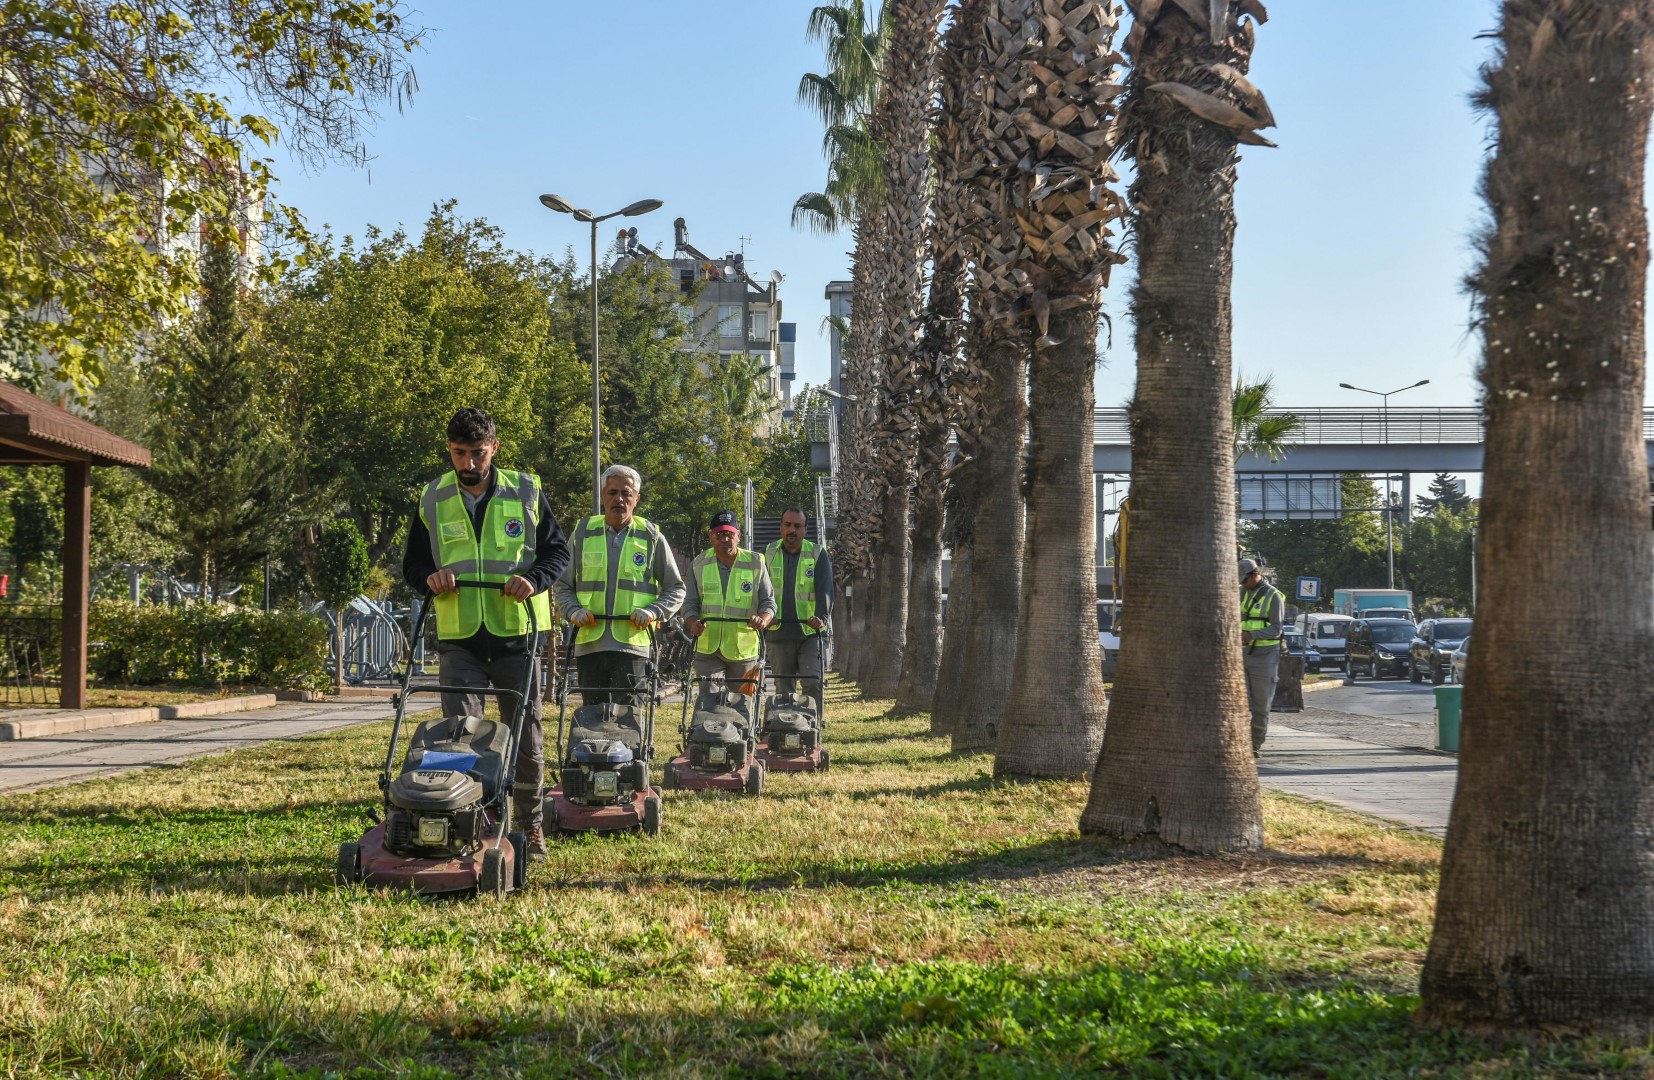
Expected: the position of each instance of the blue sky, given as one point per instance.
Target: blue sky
(1353, 235)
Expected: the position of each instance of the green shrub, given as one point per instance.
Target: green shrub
(207, 645)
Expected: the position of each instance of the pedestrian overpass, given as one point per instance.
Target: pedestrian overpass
(1361, 440)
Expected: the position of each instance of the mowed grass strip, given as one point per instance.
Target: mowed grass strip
(902, 914)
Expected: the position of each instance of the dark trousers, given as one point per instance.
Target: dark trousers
(457, 666)
(600, 674)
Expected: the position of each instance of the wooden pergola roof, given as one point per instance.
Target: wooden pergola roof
(33, 431)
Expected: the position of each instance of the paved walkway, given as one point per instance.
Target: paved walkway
(1410, 786)
(65, 759)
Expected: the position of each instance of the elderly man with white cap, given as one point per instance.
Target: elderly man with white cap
(1262, 609)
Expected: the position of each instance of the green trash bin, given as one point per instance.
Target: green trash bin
(1448, 699)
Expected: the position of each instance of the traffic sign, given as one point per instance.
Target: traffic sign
(1309, 588)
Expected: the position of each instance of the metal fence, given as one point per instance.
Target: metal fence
(376, 640)
(31, 644)
(1354, 426)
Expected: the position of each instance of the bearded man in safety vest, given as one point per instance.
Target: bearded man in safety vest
(1262, 609)
(478, 522)
(730, 602)
(623, 580)
(802, 575)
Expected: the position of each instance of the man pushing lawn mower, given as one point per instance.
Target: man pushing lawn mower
(730, 603)
(483, 523)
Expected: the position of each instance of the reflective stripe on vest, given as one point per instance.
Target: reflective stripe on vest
(804, 588)
(505, 547)
(732, 641)
(1255, 608)
(634, 588)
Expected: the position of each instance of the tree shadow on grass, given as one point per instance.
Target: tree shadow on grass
(1056, 865)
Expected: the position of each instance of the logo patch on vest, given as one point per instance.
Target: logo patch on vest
(638, 558)
(514, 527)
(746, 586)
(810, 571)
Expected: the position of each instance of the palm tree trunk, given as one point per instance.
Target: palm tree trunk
(1054, 718)
(1177, 761)
(922, 646)
(1545, 916)
(948, 697)
(883, 666)
(996, 511)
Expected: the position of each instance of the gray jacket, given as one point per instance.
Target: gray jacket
(663, 571)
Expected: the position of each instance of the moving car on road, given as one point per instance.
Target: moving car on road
(1431, 652)
(1378, 647)
(1327, 634)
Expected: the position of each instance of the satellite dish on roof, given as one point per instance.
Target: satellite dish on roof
(776, 277)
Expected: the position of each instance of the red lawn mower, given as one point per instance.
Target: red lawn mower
(604, 785)
(447, 813)
(791, 737)
(719, 743)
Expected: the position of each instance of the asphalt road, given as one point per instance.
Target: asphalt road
(1390, 712)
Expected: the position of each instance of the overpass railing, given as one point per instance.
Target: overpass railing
(1356, 426)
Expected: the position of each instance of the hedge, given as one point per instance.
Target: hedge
(207, 645)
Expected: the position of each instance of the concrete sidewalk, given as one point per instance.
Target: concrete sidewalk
(50, 760)
(1412, 787)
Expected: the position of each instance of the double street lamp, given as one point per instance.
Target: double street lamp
(563, 206)
(1389, 511)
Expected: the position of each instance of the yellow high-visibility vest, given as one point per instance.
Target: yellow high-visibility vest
(504, 548)
(804, 588)
(634, 587)
(730, 640)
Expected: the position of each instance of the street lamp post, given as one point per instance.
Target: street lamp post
(563, 206)
(1389, 510)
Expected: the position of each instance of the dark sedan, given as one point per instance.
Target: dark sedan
(1378, 647)
(1431, 653)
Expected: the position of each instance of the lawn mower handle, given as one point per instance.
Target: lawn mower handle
(406, 690)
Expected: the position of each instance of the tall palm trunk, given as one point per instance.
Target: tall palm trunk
(1545, 916)
(1054, 716)
(995, 508)
(1050, 122)
(950, 675)
(939, 343)
(902, 124)
(1177, 761)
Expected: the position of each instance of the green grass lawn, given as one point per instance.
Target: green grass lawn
(901, 915)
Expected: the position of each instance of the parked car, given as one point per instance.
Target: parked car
(1431, 652)
(1378, 647)
(1327, 633)
(1458, 661)
(1298, 645)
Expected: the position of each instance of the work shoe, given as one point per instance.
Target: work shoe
(536, 843)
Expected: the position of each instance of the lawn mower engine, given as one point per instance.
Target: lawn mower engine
(602, 772)
(790, 725)
(438, 802)
(718, 736)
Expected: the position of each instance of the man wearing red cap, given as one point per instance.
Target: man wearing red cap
(727, 582)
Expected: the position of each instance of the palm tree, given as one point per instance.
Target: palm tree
(1545, 918)
(902, 124)
(1049, 119)
(1259, 428)
(935, 361)
(1177, 762)
(853, 41)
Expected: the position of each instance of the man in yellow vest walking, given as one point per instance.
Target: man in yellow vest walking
(478, 522)
(728, 582)
(622, 581)
(802, 575)
(1262, 609)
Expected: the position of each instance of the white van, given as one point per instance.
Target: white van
(1325, 634)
